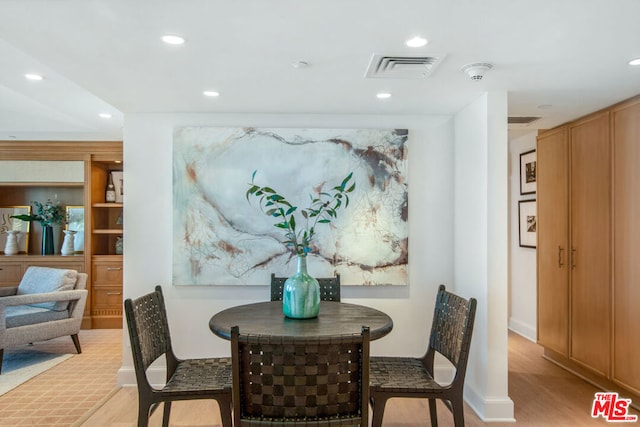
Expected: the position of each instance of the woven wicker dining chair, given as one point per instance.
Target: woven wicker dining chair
(186, 379)
(317, 381)
(329, 288)
(451, 332)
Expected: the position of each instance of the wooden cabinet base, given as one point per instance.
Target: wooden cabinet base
(107, 322)
(591, 377)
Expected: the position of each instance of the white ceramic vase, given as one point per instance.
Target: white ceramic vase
(67, 243)
(11, 246)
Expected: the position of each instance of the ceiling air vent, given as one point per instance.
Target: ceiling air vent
(385, 66)
(521, 120)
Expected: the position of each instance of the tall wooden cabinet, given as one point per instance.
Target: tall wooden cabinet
(589, 246)
(626, 245)
(590, 225)
(103, 222)
(553, 243)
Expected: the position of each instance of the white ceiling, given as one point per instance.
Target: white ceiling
(107, 56)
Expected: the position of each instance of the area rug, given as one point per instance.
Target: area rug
(19, 366)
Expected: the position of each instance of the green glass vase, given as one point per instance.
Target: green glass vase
(301, 294)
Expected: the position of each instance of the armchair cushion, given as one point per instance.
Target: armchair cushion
(23, 315)
(41, 280)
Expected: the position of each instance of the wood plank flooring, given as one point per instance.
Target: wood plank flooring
(544, 395)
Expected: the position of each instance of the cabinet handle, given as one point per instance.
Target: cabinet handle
(573, 258)
(114, 293)
(560, 253)
(114, 268)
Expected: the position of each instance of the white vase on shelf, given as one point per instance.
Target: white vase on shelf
(67, 243)
(11, 246)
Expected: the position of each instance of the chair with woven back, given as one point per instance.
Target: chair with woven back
(289, 380)
(410, 377)
(187, 379)
(329, 288)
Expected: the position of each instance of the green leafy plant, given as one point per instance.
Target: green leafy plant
(323, 208)
(47, 214)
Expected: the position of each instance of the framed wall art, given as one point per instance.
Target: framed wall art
(75, 222)
(219, 238)
(528, 220)
(528, 172)
(118, 182)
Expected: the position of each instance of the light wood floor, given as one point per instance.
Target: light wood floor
(543, 395)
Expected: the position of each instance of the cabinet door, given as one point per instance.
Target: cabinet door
(590, 242)
(553, 236)
(626, 241)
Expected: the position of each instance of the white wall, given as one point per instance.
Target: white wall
(522, 273)
(481, 248)
(148, 246)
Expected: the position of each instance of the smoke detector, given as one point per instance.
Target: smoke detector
(476, 70)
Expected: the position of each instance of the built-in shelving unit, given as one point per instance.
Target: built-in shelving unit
(75, 173)
(106, 229)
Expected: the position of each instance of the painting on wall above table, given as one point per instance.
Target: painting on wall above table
(219, 238)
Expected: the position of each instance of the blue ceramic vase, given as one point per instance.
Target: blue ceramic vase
(301, 294)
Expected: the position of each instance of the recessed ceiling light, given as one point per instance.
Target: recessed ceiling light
(211, 93)
(34, 76)
(383, 95)
(635, 61)
(173, 39)
(105, 115)
(300, 64)
(416, 41)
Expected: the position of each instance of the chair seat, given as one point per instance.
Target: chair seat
(200, 377)
(23, 315)
(402, 375)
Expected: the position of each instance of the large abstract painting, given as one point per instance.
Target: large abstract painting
(219, 238)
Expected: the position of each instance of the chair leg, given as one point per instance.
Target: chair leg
(433, 413)
(76, 342)
(457, 408)
(225, 411)
(166, 413)
(378, 403)
(143, 413)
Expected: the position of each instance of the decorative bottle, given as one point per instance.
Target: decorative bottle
(110, 195)
(301, 293)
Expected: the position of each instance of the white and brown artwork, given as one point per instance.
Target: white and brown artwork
(528, 218)
(528, 172)
(219, 238)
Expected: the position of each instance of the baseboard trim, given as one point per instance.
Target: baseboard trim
(127, 376)
(524, 330)
(493, 409)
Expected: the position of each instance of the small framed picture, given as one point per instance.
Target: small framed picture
(528, 172)
(117, 176)
(75, 222)
(528, 219)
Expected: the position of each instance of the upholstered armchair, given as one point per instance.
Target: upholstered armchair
(48, 303)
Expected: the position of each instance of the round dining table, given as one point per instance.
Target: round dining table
(334, 318)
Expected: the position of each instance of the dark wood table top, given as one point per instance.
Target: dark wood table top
(335, 318)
